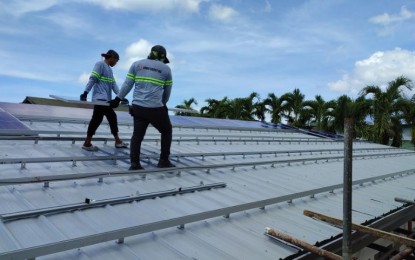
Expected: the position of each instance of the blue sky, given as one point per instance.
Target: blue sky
(216, 48)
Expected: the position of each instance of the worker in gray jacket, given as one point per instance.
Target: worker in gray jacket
(152, 79)
(102, 84)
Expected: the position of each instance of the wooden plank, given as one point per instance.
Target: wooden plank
(364, 229)
(300, 243)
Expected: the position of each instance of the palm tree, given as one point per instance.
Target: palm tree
(242, 108)
(293, 106)
(357, 109)
(317, 109)
(328, 123)
(211, 109)
(187, 104)
(274, 107)
(385, 108)
(260, 109)
(340, 113)
(408, 114)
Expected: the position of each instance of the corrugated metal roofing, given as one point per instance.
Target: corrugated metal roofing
(271, 176)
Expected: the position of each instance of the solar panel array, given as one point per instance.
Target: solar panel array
(9, 122)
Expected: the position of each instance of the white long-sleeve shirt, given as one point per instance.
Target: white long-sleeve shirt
(153, 83)
(102, 81)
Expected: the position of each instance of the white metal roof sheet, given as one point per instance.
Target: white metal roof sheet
(292, 163)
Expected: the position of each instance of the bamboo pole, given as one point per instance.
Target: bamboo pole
(297, 242)
(368, 230)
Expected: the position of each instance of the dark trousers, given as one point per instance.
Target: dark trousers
(157, 117)
(98, 116)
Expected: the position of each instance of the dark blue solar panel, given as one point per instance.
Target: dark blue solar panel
(46, 111)
(9, 122)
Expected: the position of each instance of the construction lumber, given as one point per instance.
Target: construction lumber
(404, 200)
(403, 254)
(300, 243)
(364, 229)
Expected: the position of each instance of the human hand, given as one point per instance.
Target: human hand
(115, 102)
(83, 96)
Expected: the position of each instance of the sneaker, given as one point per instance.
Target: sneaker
(165, 164)
(90, 148)
(121, 145)
(135, 166)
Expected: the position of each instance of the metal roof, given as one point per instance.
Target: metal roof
(233, 179)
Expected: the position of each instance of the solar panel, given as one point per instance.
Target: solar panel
(77, 101)
(9, 122)
(34, 110)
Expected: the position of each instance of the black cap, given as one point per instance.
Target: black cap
(158, 52)
(110, 53)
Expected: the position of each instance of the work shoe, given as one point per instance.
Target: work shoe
(165, 164)
(90, 148)
(121, 145)
(135, 166)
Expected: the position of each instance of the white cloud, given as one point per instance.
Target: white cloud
(386, 19)
(68, 22)
(222, 13)
(379, 69)
(136, 51)
(390, 22)
(20, 7)
(139, 50)
(28, 74)
(149, 5)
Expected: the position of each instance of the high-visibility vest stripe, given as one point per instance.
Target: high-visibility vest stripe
(102, 78)
(161, 83)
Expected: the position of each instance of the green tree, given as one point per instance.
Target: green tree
(358, 110)
(385, 109)
(187, 104)
(293, 106)
(318, 110)
(211, 109)
(274, 107)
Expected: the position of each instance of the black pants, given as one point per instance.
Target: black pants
(98, 115)
(157, 117)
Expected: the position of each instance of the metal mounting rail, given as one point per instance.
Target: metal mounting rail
(73, 139)
(101, 175)
(58, 133)
(129, 123)
(89, 203)
(120, 234)
(75, 159)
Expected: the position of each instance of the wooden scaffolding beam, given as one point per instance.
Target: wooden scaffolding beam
(364, 229)
(300, 243)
